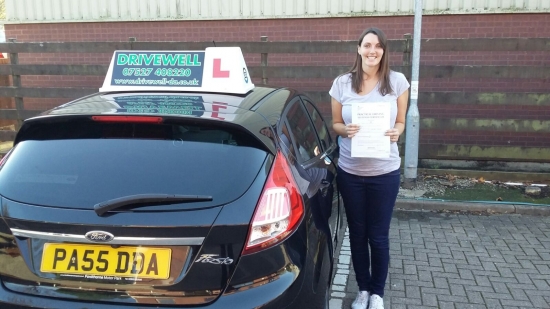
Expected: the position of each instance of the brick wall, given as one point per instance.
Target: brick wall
(440, 26)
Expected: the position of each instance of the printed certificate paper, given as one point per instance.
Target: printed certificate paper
(374, 120)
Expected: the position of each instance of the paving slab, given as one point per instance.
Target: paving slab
(458, 259)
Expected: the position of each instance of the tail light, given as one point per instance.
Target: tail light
(279, 211)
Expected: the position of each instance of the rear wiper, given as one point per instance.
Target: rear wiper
(139, 200)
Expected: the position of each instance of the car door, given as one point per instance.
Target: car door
(330, 197)
(315, 179)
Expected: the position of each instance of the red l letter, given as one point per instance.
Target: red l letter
(216, 106)
(218, 73)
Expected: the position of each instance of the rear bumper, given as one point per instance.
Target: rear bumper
(260, 296)
(281, 290)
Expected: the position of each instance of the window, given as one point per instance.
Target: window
(82, 163)
(319, 124)
(303, 132)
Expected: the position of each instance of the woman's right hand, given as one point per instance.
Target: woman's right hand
(338, 125)
(352, 129)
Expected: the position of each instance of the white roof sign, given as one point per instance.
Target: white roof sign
(216, 69)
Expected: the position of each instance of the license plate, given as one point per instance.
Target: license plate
(137, 262)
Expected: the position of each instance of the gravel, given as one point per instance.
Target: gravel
(437, 185)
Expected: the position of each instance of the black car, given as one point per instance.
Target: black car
(184, 198)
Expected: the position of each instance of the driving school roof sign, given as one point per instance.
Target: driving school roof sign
(216, 69)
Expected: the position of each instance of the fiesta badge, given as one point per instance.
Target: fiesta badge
(99, 236)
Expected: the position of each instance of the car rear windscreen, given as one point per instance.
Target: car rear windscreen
(79, 164)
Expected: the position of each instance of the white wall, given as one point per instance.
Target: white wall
(44, 11)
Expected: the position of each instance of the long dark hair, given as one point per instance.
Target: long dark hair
(383, 71)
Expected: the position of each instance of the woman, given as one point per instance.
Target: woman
(369, 186)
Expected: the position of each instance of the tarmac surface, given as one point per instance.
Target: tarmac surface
(459, 255)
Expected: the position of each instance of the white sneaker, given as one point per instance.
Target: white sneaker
(361, 301)
(376, 302)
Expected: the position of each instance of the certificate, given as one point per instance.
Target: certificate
(374, 121)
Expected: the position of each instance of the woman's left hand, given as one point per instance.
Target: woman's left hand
(393, 134)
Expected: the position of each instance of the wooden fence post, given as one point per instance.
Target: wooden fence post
(263, 63)
(408, 72)
(407, 51)
(132, 39)
(16, 79)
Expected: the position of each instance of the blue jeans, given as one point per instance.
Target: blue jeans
(369, 203)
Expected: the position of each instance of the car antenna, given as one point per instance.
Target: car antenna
(214, 43)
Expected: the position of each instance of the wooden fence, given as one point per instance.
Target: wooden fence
(266, 49)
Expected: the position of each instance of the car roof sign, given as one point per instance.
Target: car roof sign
(216, 69)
